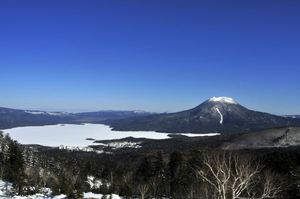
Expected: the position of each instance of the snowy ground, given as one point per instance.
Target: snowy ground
(88, 195)
(75, 135)
(6, 189)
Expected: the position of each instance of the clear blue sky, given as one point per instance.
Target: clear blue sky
(163, 55)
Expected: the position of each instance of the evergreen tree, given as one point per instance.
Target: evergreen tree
(145, 170)
(177, 175)
(159, 178)
(15, 166)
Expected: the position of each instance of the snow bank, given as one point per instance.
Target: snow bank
(92, 195)
(62, 196)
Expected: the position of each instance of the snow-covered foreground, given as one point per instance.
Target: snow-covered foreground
(88, 195)
(75, 135)
(7, 189)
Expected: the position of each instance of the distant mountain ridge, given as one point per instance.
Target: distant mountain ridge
(102, 116)
(215, 115)
(293, 116)
(10, 118)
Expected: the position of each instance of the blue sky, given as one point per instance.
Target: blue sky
(164, 55)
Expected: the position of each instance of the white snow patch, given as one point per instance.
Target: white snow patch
(57, 113)
(46, 113)
(78, 148)
(117, 145)
(199, 135)
(5, 188)
(92, 195)
(221, 119)
(93, 182)
(227, 100)
(115, 196)
(35, 112)
(61, 196)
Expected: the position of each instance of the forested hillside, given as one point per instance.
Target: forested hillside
(185, 174)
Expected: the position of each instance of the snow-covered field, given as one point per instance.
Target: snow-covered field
(75, 135)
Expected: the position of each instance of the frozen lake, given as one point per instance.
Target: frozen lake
(75, 135)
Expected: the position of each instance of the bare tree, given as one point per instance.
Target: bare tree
(244, 171)
(272, 187)
(295, 172)
(217, 172)
(234, 177)
(143, 189)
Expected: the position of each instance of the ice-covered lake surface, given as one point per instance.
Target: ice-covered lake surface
(76, 135)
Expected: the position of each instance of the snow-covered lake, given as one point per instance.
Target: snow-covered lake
(75, 135)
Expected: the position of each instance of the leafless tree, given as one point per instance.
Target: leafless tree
(295, 172)
(143, 189)
(244, 171)
(217, 172)
(235, 177)
(271, 189)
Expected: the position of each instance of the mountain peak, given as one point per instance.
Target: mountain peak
(227, 100)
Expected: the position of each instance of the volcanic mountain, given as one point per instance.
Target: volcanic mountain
(216, 115)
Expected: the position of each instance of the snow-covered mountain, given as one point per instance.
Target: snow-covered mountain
(217, 114)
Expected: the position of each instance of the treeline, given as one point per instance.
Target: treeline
(265, 173)
(191, 175)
